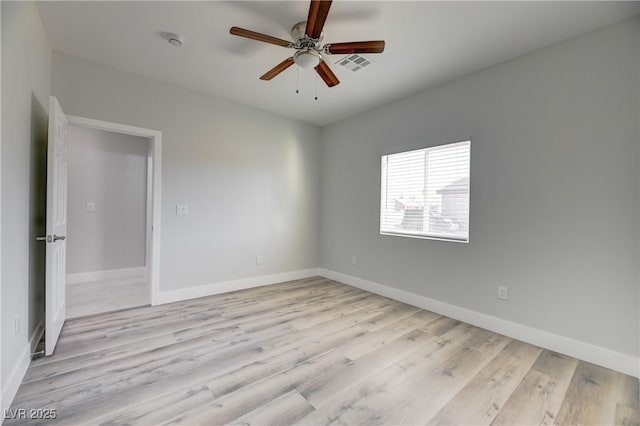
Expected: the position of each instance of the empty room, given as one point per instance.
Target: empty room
(316, 212)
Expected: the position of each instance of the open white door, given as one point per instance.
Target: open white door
(56, 225)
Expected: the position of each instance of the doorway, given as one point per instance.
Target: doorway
(113, 192)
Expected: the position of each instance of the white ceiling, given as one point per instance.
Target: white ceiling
(427, 43)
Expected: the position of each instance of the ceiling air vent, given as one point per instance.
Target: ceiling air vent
(354, 62)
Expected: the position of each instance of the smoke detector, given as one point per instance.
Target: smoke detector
(174, 40)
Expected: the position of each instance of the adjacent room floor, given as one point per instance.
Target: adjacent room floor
(94, 297)
(312, 351)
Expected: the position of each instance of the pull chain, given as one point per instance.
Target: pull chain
(297, 79)
(316, 87)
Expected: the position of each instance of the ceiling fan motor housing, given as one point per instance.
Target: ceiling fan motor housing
(301, 40)
(308, 49)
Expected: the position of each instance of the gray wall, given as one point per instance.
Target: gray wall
(110, 170)
(250, 178)
(26, 68)
(554, 190)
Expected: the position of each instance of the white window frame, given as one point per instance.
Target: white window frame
(434, 236)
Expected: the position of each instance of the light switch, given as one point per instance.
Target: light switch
(91, 206)
(182, 210)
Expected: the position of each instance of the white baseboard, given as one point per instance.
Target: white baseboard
(14, 380)
(618, 361)
(234, 285)
(111, 274)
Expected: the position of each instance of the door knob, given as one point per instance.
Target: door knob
(51, 239)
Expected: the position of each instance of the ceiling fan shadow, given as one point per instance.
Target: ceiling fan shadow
(279, 16)
(354, 12)
(240, 48)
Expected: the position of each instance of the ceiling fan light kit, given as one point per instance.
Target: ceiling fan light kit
(307, 58)
(308, 36)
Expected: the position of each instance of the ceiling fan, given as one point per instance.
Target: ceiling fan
(307, 36)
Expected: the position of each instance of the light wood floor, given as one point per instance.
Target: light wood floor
(93, 297)
(312, 351)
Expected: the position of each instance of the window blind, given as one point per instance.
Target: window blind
(425, 192)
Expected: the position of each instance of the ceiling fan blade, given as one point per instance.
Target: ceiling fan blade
(376, 46)
(277, 69)
(259, 36)
(318, 11)
(326, 74)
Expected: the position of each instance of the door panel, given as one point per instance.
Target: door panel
(56, 225)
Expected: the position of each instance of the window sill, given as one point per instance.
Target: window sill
(426, 237)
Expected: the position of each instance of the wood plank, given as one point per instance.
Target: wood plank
(376, 303)
(41, 371)
(538, 398)
(380, 337)
(627, 416)
(627, 388)
(160, 409)
(117, 371)
(592, 397)
(148, 323)
(249, 373)
(284, 410)
(416, 387)
(296, 298)
(396, 313)
(323, 388)
(193, 347)
(239, 403)
(320, 313)
(481, 399)
(104, 341)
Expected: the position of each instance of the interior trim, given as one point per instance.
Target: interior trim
(14, 380)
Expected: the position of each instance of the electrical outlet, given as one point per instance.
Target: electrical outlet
(182, 210)
(91, 206)
(354, 260)
(502, 293)
(16, 325)
(258, 260)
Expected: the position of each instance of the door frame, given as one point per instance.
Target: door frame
(154, 181)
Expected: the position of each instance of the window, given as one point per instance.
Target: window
(425, 193)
